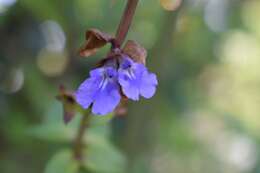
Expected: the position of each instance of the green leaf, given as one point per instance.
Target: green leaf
(54, 132)
(53, 129)
(62, 162)
(59, 132)
(103, 157)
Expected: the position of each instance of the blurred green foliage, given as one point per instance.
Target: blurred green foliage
(204, 118)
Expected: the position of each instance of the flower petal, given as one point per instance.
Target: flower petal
(84, 94)
(101, 90)
(106, 100)
(129, 86)
(148, 85)
(98, 72)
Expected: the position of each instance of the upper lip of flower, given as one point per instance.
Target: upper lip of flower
(126, 62)
(107, 76)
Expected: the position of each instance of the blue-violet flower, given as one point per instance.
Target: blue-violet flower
(135, 79)
(101, 90)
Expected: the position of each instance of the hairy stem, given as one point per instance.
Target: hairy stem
(79, 140)
(126, 21)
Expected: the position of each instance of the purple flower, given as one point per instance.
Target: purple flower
(135, 79)
(101, 90)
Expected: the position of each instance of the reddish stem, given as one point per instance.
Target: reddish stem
(79, 142)
(126, 21)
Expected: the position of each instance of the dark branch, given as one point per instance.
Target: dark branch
(79, 141)
(126, 21)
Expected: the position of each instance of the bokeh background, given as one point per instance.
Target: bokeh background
(205, 116)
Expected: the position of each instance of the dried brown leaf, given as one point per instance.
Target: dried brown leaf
(69, 104)
(135, 51)
(95, 39)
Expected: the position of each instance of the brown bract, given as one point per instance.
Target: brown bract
(135, 51)
(95, 39)
(69, 104)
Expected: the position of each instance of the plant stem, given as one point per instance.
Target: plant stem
(126, 21)
(79, 140)
(122, 31)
